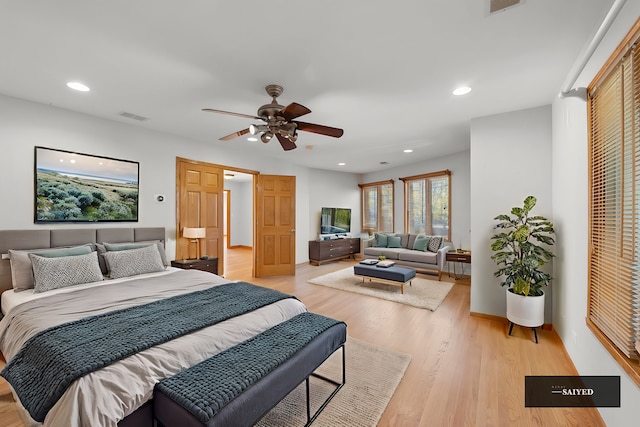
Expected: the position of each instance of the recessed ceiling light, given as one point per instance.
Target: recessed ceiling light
(341, 164)
(78, 86)
(462, 90)
(408, 150)
(252, 139)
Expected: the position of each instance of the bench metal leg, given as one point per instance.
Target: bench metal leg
(339, 385)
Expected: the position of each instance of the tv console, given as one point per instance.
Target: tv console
(331, 250)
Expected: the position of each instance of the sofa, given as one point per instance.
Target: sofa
(425, 254)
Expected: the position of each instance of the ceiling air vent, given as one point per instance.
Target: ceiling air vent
(496, 6)
(133, 116)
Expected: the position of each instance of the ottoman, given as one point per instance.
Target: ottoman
(390, 275)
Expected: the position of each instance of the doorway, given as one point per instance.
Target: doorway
(259, 217)
(238, 224)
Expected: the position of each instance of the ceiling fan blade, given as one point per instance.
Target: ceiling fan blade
(246, 116)
(320, 129)
(294, 110)
(286, 144)
(235, 134)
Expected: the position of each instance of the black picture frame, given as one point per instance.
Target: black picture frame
(79, 187)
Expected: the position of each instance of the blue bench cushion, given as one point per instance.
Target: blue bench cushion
(396, 274)
(238, 386)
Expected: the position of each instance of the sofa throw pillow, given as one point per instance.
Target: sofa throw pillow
(421, 243)
(394, 241)
(434, 244)
(381, 240)
(56, 273)
(404, 239)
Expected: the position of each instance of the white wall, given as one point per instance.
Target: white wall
(333, 190)
(26, 124)
(571, 215)
(458, 164)
(241, 212)
(510, 160)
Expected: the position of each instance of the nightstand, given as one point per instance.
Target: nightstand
(210, 265)
(458, 257)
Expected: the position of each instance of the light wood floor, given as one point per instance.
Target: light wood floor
(465, 371)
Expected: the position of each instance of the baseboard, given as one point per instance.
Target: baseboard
(240, 247)
(501, 319)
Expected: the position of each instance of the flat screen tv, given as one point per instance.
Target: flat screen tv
(76, 187)
(335, 221)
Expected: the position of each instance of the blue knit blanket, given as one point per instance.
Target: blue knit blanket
(52, 359)
(207, 387)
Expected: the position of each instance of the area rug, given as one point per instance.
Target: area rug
(372, 376)
(423, 293)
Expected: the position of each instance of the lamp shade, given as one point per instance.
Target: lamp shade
(194, 233)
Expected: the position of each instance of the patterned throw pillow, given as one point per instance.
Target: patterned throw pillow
(131, 262)
(435, 243)
(56, 273)
(22, 269)
(137, 245)
(103, 247)
(421, 243)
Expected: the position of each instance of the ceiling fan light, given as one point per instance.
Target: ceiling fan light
(266, 137)
(256, 129)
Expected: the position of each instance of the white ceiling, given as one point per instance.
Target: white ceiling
(381, 70)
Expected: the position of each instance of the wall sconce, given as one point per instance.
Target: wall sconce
(195, 234)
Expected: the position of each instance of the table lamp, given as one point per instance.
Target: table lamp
(195, 234)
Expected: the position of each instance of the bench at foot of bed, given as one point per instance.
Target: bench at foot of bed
(240, 385)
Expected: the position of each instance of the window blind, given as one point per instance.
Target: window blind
(427, 204)
(614, 172)
(377, 206)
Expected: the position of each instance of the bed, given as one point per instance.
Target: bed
(120, 392)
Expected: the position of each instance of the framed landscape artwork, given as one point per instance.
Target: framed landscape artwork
(76, 187)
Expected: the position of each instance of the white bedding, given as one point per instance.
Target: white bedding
(106, 396)
(11, 298)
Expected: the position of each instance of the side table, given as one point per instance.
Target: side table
(457, 257)
(210, 264)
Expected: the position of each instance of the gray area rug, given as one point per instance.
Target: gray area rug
(373, 374)
(423, 293)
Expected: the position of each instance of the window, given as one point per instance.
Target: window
(614, 221)
(427, 201)
(377, 206)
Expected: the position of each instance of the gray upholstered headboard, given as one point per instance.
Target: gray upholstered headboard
(37, 239)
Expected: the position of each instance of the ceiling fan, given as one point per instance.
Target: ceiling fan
(279, 121)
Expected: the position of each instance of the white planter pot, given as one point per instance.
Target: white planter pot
(525, 310)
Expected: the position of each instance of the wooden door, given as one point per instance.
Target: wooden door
(199, 204)
(275, 237)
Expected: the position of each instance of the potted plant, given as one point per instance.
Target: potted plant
(521, 248)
